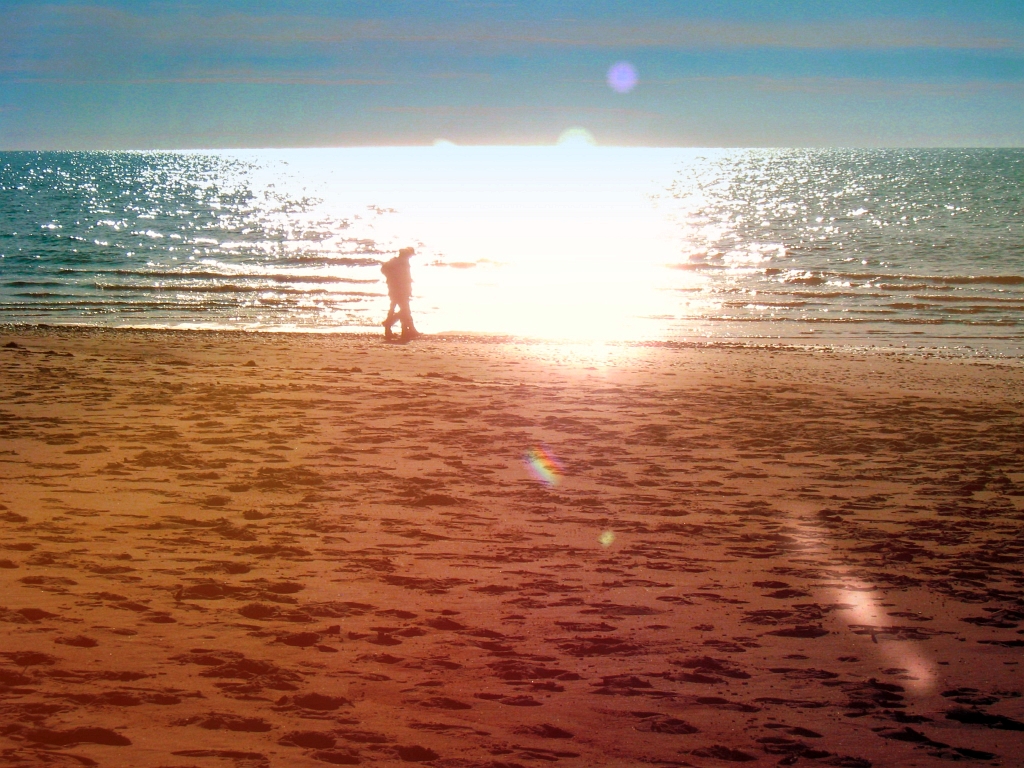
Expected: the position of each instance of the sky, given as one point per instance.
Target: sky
(726, 73)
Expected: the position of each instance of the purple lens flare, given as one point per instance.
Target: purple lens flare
(622, 77)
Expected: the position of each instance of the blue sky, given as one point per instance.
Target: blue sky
(256, 74)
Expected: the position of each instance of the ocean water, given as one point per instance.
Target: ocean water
(916, 248)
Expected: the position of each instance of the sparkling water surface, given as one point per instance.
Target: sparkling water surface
(901, 247)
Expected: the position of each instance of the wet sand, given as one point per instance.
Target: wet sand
(227, 549)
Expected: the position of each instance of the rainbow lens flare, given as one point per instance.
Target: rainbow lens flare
(544, 466)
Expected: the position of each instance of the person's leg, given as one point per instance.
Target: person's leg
(405, 315)
(390, 320)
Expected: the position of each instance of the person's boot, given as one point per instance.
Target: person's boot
(388, 333)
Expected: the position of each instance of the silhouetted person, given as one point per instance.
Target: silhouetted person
(399, 276)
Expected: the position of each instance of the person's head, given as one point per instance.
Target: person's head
(405, 253)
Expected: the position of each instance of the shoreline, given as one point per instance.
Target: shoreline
(961, 351)
(270, 549)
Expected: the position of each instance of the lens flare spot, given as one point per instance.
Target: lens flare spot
(622, 77)
(607, 539)
(576, 137)
(544, 466)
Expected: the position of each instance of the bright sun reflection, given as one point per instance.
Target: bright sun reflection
(556, 254)
(562, 242)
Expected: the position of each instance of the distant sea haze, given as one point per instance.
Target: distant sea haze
(916, 248)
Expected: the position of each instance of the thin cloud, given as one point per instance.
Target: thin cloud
(213, 79)
(485, 77)
(445, 110)
(682, 34)
(195, 32)
(79, 45)
(851, 86)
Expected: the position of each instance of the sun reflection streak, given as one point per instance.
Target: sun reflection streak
(920, 673)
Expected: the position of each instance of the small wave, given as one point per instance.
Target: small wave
(944, 321)
(821, 295)
(871, 277)
(694, 266)
(151, 288)
(274, 290)
(1012, 302)
(767, 304)
(805, 280)
(975, 310)
(911, 287)
(223, 288)
(332, 261)
(39, 295)
(821, 277)
(31, 283)
(815, 320)
(210, 275)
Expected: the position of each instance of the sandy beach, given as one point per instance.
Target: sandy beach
(237, 549)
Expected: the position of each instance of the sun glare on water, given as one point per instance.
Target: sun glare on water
(560, 242)
(553, 245)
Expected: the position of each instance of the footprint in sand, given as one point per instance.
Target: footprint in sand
(82, 735)
(443, 702)
(216, 721)
(544, 731)
(416, 754)
(78, 641)
(320, 702)
(308, 740)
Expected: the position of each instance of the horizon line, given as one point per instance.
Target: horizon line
(445, 144)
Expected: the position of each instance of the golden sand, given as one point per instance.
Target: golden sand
(230, 549)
